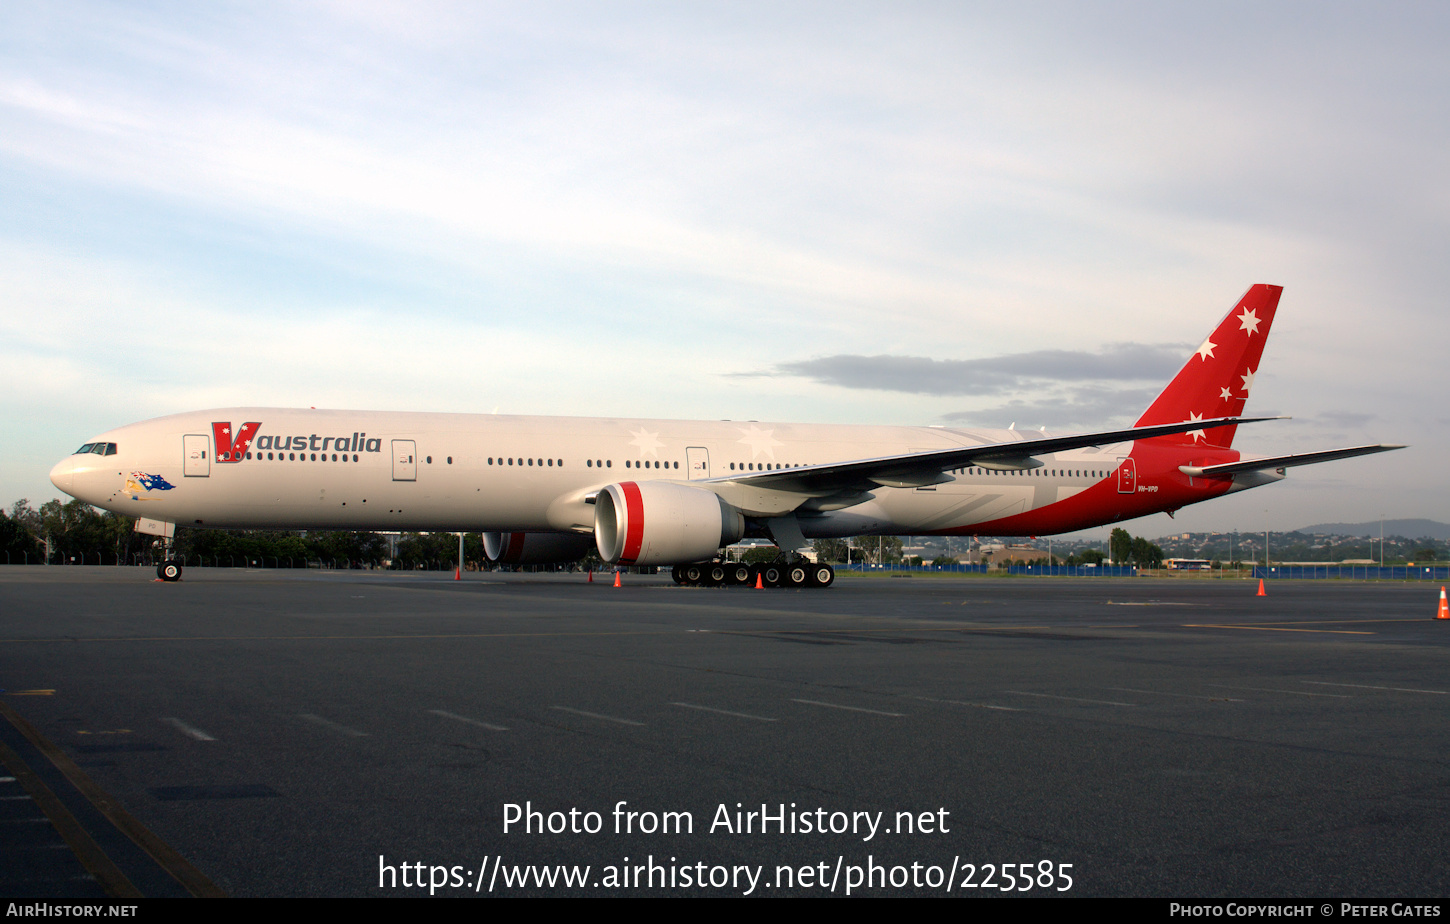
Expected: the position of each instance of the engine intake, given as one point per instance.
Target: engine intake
(662, 523)
(535, 548)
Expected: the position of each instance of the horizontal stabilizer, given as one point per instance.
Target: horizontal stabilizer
(1260, 465)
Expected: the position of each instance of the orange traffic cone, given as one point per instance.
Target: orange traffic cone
(458, 574)
(1261, 589)
(616, 579)
(591, 575)
(759, 584)
(1444, 609)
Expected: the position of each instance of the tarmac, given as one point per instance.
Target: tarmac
(306, 733)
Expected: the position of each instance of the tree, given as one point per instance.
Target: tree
(17, 543)
(1121, 546)
(1146, 554)
(27, 516)
(832, 550)
(879, 550)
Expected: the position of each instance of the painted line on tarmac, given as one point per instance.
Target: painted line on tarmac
(595, 715)
(187, 730)
(327, 723)
(960, 702)
(1291, 692)
(1216, 699)
(816, 702)
(466, 720)
(1278, 629)
(738, 715)
(1361, 686)
(1075, 699)
(86, 849)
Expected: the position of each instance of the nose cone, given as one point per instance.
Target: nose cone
(63, 475)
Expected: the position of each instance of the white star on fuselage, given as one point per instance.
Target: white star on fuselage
(1249, 322)
(647, 442)
(760, 441)
(1206, 351)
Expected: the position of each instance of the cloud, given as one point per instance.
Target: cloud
(1083, 407)
(999, 375)
(1345, 419)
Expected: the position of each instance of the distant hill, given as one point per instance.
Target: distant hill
(1410, 529)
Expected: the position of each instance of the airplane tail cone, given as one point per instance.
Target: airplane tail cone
(1444, 607)
(1261, 589)
(616, 579)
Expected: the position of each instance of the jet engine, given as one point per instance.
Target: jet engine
(535, 548)
(662, 523)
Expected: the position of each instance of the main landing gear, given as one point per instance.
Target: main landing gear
(779, 573)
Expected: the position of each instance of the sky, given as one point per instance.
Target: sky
(965, 214)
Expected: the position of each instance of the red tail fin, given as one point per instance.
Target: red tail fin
(1216, 380)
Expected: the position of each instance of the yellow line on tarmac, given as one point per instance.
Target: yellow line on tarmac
(192, 879)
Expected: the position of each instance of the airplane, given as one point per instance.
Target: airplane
(675, 492)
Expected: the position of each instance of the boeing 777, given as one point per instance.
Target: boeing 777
(675, 492)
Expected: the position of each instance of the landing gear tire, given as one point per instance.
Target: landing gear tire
(693, 574)
(169, 571)
(715, 574)
(678, 573)
(741, 574)
(823, 575)
(796, 575)
(771, 575)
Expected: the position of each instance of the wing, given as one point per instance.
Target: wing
(920, 469)
(1263, 465)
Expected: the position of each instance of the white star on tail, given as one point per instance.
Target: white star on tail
(1196, 434)
(1248, 382)
(1206, 351)
(646, 441)
(1248, 322)
(760, 441)
(1226, 393)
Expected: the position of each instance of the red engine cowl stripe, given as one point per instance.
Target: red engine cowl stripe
(634, 527)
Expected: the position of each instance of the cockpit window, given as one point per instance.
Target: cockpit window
(110, 449)
(100, 449)
(86, 448)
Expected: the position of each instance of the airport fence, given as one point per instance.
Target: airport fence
(1294, 572)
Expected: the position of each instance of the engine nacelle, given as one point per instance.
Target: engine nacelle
(535, 548)
(661, 523)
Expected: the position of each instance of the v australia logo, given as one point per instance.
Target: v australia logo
(229, 449)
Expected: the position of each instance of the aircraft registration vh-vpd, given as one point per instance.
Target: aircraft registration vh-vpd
(674, 492)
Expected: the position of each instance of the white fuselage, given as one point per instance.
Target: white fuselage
(420, 471)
